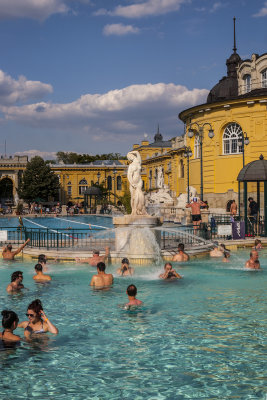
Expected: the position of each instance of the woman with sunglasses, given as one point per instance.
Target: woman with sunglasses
(38, 321)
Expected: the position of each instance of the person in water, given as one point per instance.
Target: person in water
(16, 282)
(218, 251)
(10, 322)
(253, 262)
(169, 272)
(125, 269)
(8, 254)
(42, 259)
(37, 321)
(40, 277)
(131, 293)
(257, 245)
(101, 279)
(226, 256)
(181, 255)
(93, 261)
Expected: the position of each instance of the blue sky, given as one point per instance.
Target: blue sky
(95, 76)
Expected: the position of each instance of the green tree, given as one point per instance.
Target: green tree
(38, 181)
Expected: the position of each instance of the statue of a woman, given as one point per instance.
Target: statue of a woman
(136, 183)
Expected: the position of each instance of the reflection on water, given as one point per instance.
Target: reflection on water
(200, 337)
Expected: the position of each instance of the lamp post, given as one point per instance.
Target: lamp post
(114, 178)
(98, 177)
(187, 154)
(242, 141)
(200, 135)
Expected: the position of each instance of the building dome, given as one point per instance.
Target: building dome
(255, 171)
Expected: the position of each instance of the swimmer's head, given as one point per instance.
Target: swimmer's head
(125, 261)
(36, 306)
(131, 290)
(181, 246)
(16, 275)
(9, 247)
(38, 267)
(101, 266)
(42, 258)
(9, 317)
(96, 252)
(168, 266)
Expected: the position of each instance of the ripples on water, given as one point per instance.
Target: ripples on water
(202, 337)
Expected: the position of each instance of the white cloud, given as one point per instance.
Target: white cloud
(144, 9)
(46, 155)
(216, 6)
(35, 9)
(119, 29)
(262, 12)
(116, 116)
(13, 91)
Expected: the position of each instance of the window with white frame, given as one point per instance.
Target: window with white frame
(82, 186)
(197, 147)
(264, 78)
(231, 136)
(247, 83)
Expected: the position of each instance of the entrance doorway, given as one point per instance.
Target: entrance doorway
(6, 191)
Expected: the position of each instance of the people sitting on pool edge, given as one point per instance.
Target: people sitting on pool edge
(257, 245)
(93, 261)
(131, 293)
(181, 255)
(16, 282)
(40, 276)
(253, 262)
(10, 322)
(38, 321)
(101, 279)
(125, 269)
(169, 273)
(8, 254)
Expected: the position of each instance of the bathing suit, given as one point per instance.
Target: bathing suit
(196, 217)
(29, 329)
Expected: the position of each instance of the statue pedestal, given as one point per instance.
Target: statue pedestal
(136, 239)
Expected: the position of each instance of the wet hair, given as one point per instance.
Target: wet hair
(9, 246)
(167, 263)
(131, 290)
(36, 306)
(125, 261)
(251, 253)
(42, 258)
(9, 317)
(16, 275)
(181, 246)
(250, 198)
(38, 267)
(257, 241)
(226, 254)
(96, 252)
(101, 266)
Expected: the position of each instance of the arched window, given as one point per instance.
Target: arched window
(181, 169)
(118, 182)
(69, 187)
(196, 147)
(82, 186)
(109, 183)
(231, 134)
(150, 179)
(247, 83)
(156, 178)
(264, 78)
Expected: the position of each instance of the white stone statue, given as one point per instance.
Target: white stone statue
(160, 182)
(136, 183)
(183, 198)
(16, 199)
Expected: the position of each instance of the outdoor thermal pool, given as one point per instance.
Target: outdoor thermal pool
(201, 337)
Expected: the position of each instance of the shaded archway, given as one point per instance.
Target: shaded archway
(6, 190)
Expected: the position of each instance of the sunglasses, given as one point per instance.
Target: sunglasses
(29, 315)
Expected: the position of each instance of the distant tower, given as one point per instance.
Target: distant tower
(158, 136)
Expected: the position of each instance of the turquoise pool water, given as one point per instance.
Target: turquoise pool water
(75, 222)
(199, 338)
